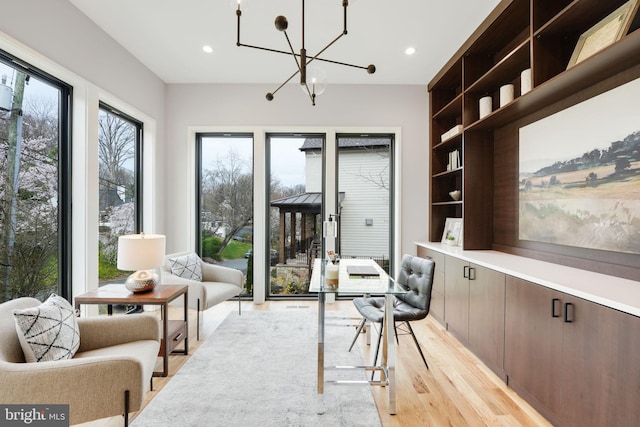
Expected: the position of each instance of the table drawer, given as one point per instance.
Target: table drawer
(177, 333)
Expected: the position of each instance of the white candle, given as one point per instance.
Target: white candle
(525, 81)
(485, 106)
(506, 94)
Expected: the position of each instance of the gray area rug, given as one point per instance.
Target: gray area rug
(260, 369)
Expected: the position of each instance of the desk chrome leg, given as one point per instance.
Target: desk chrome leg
(321, 300)
(389, 351)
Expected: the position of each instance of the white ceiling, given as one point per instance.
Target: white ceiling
(167, 36)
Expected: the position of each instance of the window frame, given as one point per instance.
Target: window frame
(138, 161)
(64, 167)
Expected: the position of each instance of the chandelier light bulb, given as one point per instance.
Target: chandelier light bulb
(316, 80)
(239, 4)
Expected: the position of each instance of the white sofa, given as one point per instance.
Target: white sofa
(109, 375)
(218, 284)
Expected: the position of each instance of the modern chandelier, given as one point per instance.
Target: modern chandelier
(303, 59)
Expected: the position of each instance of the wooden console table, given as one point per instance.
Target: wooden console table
(173, 331)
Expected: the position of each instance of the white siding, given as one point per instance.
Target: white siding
(364, 199)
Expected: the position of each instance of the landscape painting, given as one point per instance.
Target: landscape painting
(579, 174)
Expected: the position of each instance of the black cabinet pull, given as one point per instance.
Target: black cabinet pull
(554, 304)
(472, 273)
(566, 312)
(465, 271)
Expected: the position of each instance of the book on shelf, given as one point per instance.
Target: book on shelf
(456, 130)
(454, 160)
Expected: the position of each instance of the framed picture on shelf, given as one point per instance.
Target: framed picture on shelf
(604, 33)
(452, 234)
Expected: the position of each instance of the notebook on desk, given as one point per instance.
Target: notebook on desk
(362, 271)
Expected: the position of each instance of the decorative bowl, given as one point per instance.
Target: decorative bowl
(455, 194)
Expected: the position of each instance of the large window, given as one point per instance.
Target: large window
(365, 180)
(363, 200)
(35, 213)
(295, 211)
(224, 185)
(120, 184)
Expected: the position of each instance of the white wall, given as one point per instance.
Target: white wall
(193, 108)
(54, 36)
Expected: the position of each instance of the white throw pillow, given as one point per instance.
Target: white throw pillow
(187, 267)
(48, 331)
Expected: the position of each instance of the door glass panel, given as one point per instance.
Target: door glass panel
(225, 207)
(295, 209)
(364, 183)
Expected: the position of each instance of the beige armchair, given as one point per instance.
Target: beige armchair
(108, 376)
(218, 284)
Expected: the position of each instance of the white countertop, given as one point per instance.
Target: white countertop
(615, 292)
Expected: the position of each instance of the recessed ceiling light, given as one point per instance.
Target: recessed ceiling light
(207, 48)
(410, 50)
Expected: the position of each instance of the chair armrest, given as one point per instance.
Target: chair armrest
(218, 273)
(105, 331)
(93, 386)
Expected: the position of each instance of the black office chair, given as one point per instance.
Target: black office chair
(416, 276)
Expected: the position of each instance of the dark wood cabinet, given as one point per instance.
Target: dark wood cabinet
(576, 362)
(601, 365)
(436, 309)
(533, 339)
(518, 36)
(474, 309)
(456, 298)
(486, 316)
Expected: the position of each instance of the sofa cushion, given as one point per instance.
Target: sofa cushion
(187, 267)
(48, 331)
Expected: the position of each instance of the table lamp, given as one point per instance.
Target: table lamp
(141, 252)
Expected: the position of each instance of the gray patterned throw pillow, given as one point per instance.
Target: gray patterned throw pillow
(48, 331)
(187, 267)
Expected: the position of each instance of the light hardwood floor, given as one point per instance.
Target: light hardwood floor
(457, 390)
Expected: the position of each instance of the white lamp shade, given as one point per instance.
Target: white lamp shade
(141, 251)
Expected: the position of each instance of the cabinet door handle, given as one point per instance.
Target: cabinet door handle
(554, 304)
(465, 271)
(566, 312)
(472, 273)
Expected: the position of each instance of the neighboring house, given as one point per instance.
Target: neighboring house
(364, 192)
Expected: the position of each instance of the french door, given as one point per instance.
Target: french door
(326, 194)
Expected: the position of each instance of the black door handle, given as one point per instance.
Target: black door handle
(566, 312)
(554, 304)
(465, 271)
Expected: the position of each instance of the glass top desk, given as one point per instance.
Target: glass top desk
(381, 285)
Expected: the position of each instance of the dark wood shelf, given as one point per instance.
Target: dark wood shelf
(446, 173)
(452, 109)
(452, 202)
(518, 34)
(577, 17)
(618, 57)
(505, 71)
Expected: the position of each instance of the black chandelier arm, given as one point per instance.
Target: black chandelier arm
(313, 58)
(302, 60)
(285, 82)
(339, 63)
(293, 52)
(268, 49)
(344, 5)
(312, 96)
(238, 14)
